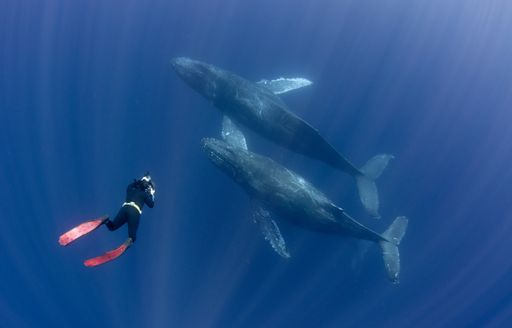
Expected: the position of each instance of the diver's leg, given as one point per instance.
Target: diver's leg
(118, 221)
(133, 224)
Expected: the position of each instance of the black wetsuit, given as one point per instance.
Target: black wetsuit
(138, 193)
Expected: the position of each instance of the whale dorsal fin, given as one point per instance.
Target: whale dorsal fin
(232, 134)
(270, 230)
(282, 84)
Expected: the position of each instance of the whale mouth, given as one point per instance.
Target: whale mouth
(180, 63)
(220, 154)
(189, 68)
(199, 76)
(213, 150)
(214, 157)
(183, 66)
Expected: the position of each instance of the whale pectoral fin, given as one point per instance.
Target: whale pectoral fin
(282, 85)
(232, 134)
(270, 231)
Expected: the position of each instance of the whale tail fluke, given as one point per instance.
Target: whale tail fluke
(366, 182)
(390, 253)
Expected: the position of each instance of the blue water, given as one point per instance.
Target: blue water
(88, 102)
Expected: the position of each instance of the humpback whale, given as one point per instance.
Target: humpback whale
(277, 190)
(257, 107)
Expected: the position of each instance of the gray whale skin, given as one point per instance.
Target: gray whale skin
(257, 107)
(278, 190)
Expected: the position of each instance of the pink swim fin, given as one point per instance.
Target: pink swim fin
(108, 256)
(81, 230)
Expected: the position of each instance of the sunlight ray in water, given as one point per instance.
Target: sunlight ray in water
(90, 101)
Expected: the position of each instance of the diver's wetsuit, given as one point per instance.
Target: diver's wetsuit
(138, 193)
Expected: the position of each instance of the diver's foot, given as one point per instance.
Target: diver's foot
(128, 242)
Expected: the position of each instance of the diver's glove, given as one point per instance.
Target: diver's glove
(150, 190)
(148, 185)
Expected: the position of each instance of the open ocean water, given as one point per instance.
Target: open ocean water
(88, 101)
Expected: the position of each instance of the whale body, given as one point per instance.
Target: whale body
(258, 107)
(274, 189)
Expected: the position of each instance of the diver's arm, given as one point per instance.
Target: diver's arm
(149, 197)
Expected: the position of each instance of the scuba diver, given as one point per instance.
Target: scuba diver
(138, 193)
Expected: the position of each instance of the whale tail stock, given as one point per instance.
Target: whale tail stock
(366, 182)
(389, 246)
